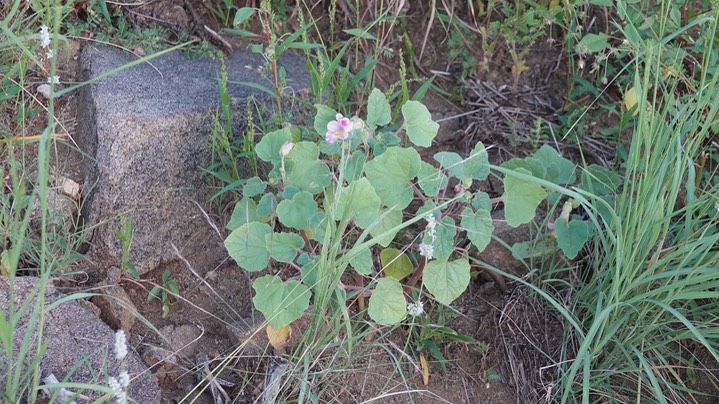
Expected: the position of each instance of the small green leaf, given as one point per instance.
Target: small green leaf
(446, 280)
(318, 226)
(280, 303)
(443, 242)
(572, 236)
(296, 212)
(521, 198)
(418, 123)
(395, 263)
(246, 245)
(253, 187)
(476, 166)
(593, 43)
(154, 293)
(390, 175)
(268, 149)
(479, 227)
(379, 111)
(362, 262)
(267, 205)
(324, 116)
(431, 180)
(242, 15)
(245, 211)
(283, 247)
(387, 304)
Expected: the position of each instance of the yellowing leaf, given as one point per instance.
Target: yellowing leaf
(425, 369)
(279, 337)
(630, 100)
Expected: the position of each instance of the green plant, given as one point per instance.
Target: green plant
(166, 292)
(125, 235)
(317, 217)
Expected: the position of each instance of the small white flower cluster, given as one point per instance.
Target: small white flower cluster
(45, 42)
(427, 250)
(415, 309)
(119, 387)
(120, 345)
(120, 384)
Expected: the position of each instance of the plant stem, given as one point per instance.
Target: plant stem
(415, 277)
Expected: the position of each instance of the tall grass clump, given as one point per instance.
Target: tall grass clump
(649, 306)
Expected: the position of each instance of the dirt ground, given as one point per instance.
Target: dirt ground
(215, 313)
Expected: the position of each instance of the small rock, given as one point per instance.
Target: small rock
(183, 339)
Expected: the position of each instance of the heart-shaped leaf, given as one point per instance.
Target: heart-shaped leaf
(296, 212)
(246, 245)
(479, 227)
(446, 280)
(280, 303)
(572, 236)
(390, 175)
(387, 304)
(284, 246)
(521, 198)
(395, 263)
(418, 123)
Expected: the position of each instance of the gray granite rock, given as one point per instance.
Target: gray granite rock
(79, 344)
(148, 129)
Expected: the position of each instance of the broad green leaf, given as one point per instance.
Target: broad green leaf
(362, 262)
(390, 175)
(534, 166)
(304, 169)
(443, 244)
(381, 230)
(395, 263)
(253, 187)
(387, 304)
(242, 15)
(571, 236)
(246, 245)
(593, 43)
(431, 180)
(245, 211)
(559, 170)
(283, 246)
(359, 201)
(280, 303)
(418, 123)
(267, 205)
(379, 111)
(296, 213)
(322, 118)
(521, 198)
(446, 280)
(268, 149)
(479, 227)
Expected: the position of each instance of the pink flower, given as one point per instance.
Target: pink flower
(338, 129)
